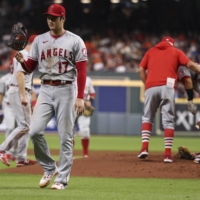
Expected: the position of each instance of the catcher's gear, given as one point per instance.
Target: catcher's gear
(1, 116)
(88, 111)
(184, 153)
(192, 107)
(18, 37)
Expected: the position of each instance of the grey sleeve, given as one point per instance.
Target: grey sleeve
(2, 87)
(183, 72)
(80, 51)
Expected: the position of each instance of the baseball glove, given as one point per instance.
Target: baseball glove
(88, 111)
(18, 37)
(184, 153)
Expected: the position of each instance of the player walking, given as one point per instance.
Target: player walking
(19, 96)
(61, 58)
(8, 112)
(84, 121)
(162, 62)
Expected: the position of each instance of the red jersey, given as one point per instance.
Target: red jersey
(162, 61)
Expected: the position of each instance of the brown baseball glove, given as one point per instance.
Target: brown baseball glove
(184, 153)
(18, 37)
(88, 111)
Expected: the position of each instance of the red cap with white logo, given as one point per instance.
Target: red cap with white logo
(55, 10)
(169, 40)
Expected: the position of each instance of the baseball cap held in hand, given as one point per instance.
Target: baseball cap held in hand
(169, 40)
(55, 10)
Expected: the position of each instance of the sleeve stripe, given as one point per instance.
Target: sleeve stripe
(81, 60)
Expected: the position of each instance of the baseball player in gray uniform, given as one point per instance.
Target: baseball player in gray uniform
(19, 97)
(191, 81)
(61, 57)
(84, 121)
(8, 112)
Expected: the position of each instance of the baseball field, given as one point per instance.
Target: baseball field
(112, 172)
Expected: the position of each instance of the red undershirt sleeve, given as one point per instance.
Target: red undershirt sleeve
(29, 65)
(81, 78)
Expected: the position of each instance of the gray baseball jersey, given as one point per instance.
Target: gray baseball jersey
(89, 89)
(57, 58)
(185, 72)
(4, 86)
(18, 67)
(83, 121)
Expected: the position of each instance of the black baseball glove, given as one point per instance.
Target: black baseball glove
(18, 37)
(184, 153)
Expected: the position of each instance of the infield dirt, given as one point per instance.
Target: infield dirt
(121, 165)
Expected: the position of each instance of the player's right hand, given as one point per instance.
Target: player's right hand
(24, 100)
(19, 57)
(79, 106)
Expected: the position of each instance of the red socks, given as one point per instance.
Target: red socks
(146, 133)
(85, 145)
(168, 137)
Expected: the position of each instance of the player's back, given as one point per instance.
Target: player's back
(162, 62)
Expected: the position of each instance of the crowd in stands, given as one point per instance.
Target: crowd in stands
(110, 50)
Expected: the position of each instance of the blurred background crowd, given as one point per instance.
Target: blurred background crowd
(117, 33)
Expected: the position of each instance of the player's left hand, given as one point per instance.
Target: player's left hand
(24, 100)
(192, 107)
(79, 106)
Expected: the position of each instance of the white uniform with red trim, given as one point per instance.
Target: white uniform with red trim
(56, 59)
(9, 116)
(22, 113)
(84, 121)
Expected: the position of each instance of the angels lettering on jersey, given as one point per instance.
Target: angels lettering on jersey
(58, 56)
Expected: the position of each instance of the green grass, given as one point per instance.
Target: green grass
(23, 187)
(26, 187)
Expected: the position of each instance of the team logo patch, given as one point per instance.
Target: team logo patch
(51, 9)
(84, 51)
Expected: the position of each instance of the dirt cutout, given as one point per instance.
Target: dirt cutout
(121, 165)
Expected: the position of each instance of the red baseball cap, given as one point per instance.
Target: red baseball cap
(55, 10)
(31, 38)
(169, 40)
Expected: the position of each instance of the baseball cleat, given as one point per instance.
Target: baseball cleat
(10, 157)
(143, 154)
(26, 163)
(58, 186)
(46, 179)
(168, 159)
(197, 160)
(198, 125)
(4, 159)
(85, 156)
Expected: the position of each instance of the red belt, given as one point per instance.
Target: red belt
(56, 82)
(27, 89)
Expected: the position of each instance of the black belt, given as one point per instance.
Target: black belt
(56, 82)
(27, 89)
